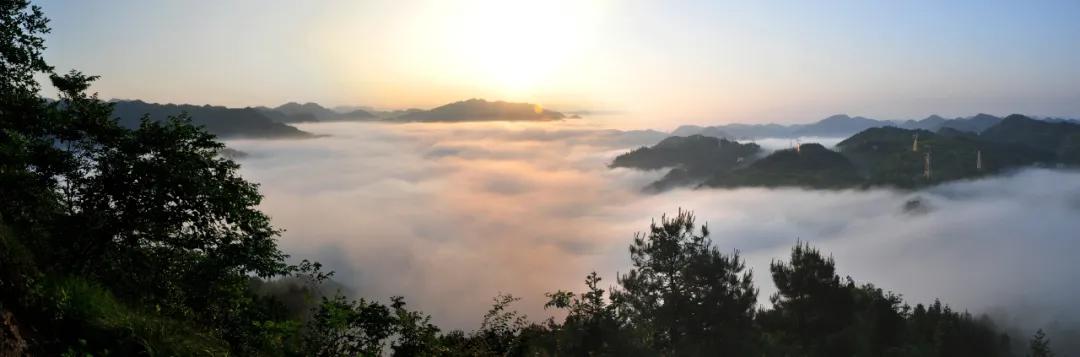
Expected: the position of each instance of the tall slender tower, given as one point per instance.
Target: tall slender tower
(978, 160)
(926, 168)
(915, 144)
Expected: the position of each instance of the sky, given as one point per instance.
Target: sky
(703, 62)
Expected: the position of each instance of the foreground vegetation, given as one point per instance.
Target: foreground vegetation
(146, 241)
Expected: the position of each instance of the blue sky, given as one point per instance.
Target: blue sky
(668, 61)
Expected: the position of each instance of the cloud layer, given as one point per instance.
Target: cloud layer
(451, 215)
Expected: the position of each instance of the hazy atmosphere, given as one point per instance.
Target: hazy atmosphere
(539, 178)
(669, 62)
(455, 214)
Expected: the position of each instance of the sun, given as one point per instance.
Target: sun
(518, 45)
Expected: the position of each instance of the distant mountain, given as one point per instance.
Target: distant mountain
(839, 125)
(688, 130)
(293, 112)
(221, 121)
(808, 165)
(313, 109)
(1059, 139)
(932, 123)
(974, 124)
(758, 130)
(390, 114)
(878, 156)
(482, 110)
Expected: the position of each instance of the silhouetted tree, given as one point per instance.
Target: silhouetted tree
(683, 295)
(1039, 345)
(813, 311)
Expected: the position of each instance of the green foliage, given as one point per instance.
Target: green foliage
(103, 325)
(592, 327)
(348, 328)
(815, 313)
(887, 158)
(684, 295)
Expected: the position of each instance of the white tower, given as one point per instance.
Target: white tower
(926, 168)
(915, 144)
(978, 160)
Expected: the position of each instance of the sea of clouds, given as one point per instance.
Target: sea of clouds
(450, 215)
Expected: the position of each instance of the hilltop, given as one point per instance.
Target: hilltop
(876, 156)
(692, 159)
(839, 125)
(293, 112)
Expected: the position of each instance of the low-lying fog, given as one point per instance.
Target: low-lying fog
(451, 215)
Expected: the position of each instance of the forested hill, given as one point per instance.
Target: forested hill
(293, 112)
(691, 159)
(881, 156)
(221, 121)
(842, 125)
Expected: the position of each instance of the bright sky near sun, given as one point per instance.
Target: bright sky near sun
(670, 61)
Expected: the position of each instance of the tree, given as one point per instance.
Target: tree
(155, 214)
(592, 326)
(812, 309)
(685, 296)
(1039, 345)
(341, 327)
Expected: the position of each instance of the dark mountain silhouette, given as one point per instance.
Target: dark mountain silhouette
(974, 124)
(1059, 139)
(688, 130)
(877, 156)
(482, 110)
(931, 123)
(692, 159)
(889, 156)
(315, 110)
(293, 112)
(839, 125)
(221, 121)
(808, 165)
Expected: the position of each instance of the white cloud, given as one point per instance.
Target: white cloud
(451, 215)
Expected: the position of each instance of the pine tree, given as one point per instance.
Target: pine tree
(1040, 345)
